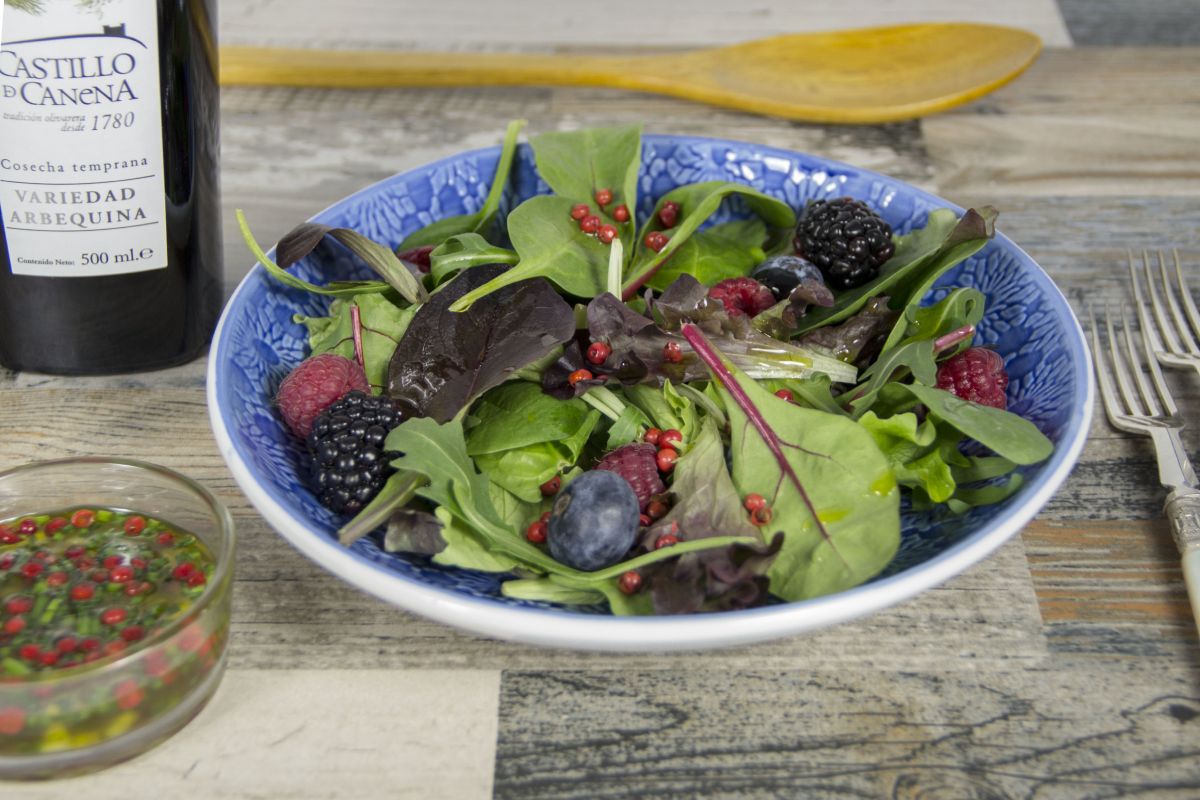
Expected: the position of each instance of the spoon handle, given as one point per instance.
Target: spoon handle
(360, 69)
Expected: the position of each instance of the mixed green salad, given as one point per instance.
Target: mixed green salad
(665, 414)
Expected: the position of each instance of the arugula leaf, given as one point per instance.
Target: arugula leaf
(551, 246)
(916, 357)
(468, 550)
(921, 258)
(697, 202)
(628, 427)
(831, 490)
(334, 289)
(383, 325)
(482, 220)
(439, 453)
(958, 309)
(723, 251)
(445, 360)
(463, 251)
(1004, 433)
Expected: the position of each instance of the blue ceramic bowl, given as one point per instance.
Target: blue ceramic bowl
(257, 343)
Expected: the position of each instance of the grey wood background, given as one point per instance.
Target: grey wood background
(1066, 665)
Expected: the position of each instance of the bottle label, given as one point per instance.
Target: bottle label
(81, 147)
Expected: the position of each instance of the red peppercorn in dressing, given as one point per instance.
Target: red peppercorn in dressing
(83, 588)
(79, 585)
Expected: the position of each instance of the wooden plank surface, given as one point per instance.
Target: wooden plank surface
(1066, 665)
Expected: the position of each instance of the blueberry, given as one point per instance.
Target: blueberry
(594, 521)
(781, 274)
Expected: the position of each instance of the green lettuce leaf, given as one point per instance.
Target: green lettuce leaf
(383, 325)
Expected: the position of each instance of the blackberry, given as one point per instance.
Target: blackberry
(350, 465)
(845, 239)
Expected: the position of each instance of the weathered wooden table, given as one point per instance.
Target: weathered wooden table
(1066, 665)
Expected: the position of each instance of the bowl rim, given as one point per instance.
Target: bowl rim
(219, 585)
(566, 629)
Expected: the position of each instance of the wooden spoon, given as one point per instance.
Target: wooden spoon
(861, 76)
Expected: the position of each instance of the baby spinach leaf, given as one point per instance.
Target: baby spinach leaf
(697, 202)
(831, 490)
(965, 499)
(482, 220)
(577, 164)
(921, 258)
(723, 251)
(334, 289)
(464, 251)
(446, 360)
(983, 468)
(383, 325)
(1003, 432)
(302, 239)
(550, 246)
(549, 590)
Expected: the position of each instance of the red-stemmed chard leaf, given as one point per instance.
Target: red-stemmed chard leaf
(831, 490)
(713, 361)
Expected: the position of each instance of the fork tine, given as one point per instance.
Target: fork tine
(1188, 307)
(1153, 368)
(1164, 327)
(1148, 328)
(1108, 393)
(1135, 367)
(1121, 371)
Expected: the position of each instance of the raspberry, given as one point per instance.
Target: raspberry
(636, 464)
(742, 296)
(314, 386)
(977, 375)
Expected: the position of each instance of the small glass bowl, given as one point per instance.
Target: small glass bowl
(94, 715)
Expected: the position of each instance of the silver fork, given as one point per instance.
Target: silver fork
(1138, 402)
(1176, 337)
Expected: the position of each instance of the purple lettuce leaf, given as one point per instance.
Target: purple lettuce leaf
(447, 359)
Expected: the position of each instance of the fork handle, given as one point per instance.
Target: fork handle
(1183, 512)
